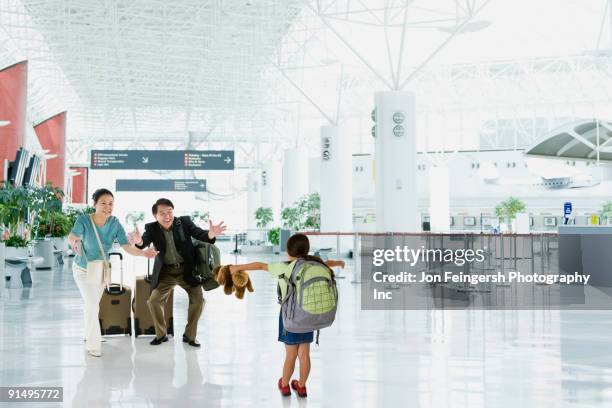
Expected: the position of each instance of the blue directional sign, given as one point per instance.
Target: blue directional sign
(162, 159)
(567, 208)
(160, 185)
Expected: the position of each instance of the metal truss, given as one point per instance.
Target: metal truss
(258, 76)
(138, 69)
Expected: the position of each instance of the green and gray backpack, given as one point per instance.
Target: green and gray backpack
(312, 297)
(207, 257)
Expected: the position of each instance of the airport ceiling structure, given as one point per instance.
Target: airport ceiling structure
(588, 139)
(260, 75)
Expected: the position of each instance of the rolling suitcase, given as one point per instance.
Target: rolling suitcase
(115, 312)
(143, 322)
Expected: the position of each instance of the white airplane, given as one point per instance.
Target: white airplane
(543, 173)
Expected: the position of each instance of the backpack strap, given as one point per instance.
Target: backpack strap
(318, 333)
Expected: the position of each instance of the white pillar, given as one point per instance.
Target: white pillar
(253, 203)
(439, 201)
(336, 180)
(314, 175)
(295, 176)
(271, 190)
(396, 190)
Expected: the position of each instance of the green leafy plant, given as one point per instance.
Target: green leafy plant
(16, 202)
(46, 209)
(274, 236)
(304, 215)
(508, 209)
(57, 227)
(291, 218)
(16, 241)
(263, 216)
(606, 211)
(311, 205)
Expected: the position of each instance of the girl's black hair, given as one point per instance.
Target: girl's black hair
(99, 193)
(298, 246)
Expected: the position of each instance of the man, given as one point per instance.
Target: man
(174, 265)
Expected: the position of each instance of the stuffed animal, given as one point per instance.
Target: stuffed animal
(239, 282)
(242, 282)
(223, 275)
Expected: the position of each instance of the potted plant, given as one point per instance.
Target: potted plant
(263, 217)
(507, 210)
(304, 215)
(45, 209)
(605, 213)
(274, 236)
(59, 230)
(16, 202)
(16, 247)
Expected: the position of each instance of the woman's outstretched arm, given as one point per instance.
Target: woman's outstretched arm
(253, 266)
(133, 250)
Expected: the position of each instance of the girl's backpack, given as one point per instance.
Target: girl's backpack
(312, 297)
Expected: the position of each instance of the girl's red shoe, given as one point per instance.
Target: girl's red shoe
(301, 391)
(283, 389)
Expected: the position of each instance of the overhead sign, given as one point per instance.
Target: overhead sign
(160, 185)
(162, 159)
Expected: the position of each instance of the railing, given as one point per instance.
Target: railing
(502, 251)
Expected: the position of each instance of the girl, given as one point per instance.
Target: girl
(297, 345)
(83, 235)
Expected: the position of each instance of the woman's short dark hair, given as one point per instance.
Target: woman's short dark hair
(99, 193)
(161, 201)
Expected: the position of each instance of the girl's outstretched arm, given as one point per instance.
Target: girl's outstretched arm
(253, 266)
(331, 263)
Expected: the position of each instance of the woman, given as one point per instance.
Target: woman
(83, 236)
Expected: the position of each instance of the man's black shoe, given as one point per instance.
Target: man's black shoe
(192, 343)
(157, 342)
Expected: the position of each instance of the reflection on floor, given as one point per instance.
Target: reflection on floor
(540, 358)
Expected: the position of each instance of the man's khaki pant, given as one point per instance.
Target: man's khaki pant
(169, 278)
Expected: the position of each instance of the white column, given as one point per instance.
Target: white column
(439, 201)
(295, 176)
(253, 203)
(271, 190)
(314, 175)
(396, 191)
(336, 180)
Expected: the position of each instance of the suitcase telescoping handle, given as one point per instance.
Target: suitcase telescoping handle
(148, 277)
(120, 255)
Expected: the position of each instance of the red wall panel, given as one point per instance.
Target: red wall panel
(52, 136)
(13, 96)
(79, 186)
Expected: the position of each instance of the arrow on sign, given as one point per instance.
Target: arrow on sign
(145, 159)
(227, 160)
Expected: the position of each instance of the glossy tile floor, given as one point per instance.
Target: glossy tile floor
(541, 358)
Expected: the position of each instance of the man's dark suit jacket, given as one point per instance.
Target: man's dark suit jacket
(154, 234)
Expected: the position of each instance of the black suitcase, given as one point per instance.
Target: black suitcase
(116, 306)
(143, 322)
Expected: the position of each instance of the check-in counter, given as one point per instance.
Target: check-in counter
(587, 249)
